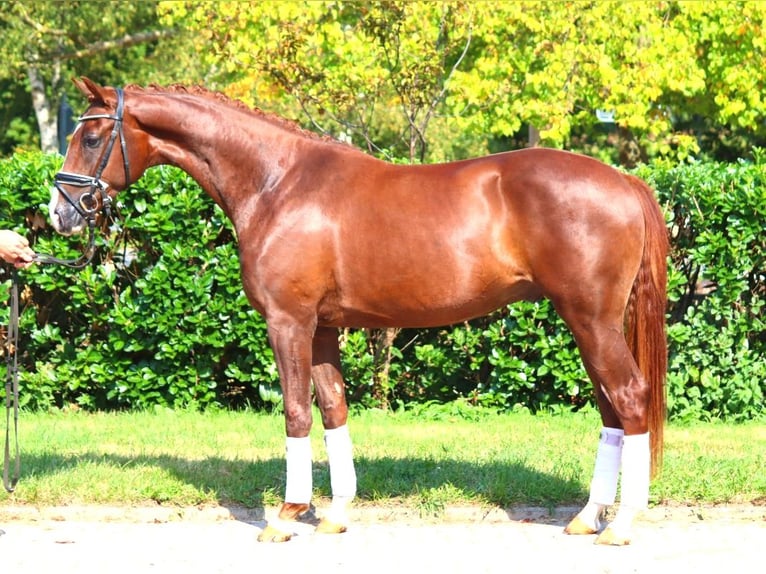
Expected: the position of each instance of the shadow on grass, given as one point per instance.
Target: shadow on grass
(423, 486)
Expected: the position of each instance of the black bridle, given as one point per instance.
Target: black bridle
(87, 207)
(88, 202)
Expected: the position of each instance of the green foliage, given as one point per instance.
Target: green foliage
(680, 77)
(522, 356)
(717, 340)
(159, 317)
(674, 74)
(46, 44)
(50, 35)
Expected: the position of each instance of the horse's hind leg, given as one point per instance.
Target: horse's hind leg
(603, 486)
(330, 392)
(623, 398)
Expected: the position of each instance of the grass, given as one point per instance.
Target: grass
(427, 463)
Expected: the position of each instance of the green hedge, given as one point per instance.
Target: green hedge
(717, 341)
(159, 317)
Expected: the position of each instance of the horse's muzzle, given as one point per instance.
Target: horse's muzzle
(65, 219)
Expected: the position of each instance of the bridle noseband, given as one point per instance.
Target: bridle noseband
(87, 204)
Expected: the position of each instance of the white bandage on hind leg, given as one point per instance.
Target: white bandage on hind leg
(603, 487)
(636, 470)
(342, 474)
(299, 482)
(606, 471)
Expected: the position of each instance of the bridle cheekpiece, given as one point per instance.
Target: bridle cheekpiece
(87, 204)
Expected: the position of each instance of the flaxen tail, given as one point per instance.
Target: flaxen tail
(645, 315)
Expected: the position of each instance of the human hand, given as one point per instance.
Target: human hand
(14, 249)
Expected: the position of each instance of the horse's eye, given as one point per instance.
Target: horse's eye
(91, 142)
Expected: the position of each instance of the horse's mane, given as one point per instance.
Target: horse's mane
(196, 90)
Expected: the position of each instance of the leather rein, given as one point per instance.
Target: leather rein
(87, 206)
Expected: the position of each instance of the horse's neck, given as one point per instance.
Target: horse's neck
(212, 142)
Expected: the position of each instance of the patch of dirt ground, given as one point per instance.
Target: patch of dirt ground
(69, 540)
(369, 514)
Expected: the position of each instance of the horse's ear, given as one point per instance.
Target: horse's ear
(92, 91)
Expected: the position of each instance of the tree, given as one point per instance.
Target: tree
(554, 64)
(729, 115)
(45, 43)
(549, 65)
(371, 72)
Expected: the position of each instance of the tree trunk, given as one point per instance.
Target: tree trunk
(46, 119)
(381, 341)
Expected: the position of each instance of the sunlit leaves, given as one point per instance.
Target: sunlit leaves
(488, 69)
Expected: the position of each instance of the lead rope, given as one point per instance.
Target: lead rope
(12, 388)
(11, 358)
(83, 259)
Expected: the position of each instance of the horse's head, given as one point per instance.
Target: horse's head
(97, 164)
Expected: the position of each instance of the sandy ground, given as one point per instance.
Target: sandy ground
(115, 540)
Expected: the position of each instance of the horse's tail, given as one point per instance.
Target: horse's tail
(645, 315)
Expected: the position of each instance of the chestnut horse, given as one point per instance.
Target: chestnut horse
(331, 237)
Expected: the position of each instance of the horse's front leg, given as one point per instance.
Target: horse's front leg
(331, 396)
(291, 342)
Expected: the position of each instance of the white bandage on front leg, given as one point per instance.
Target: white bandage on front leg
(298, 488)
(342, 474)
(636, 470)
(606, 471)
(299, 481)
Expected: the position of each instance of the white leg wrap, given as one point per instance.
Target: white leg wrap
(636, 470)
(342, 474)
(603, 487)
(341, 457)
(299, 481)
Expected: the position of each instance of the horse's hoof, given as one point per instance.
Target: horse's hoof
(293, 510)
(578, 526)
(610, 538)
(271, 534)
(329, 527)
